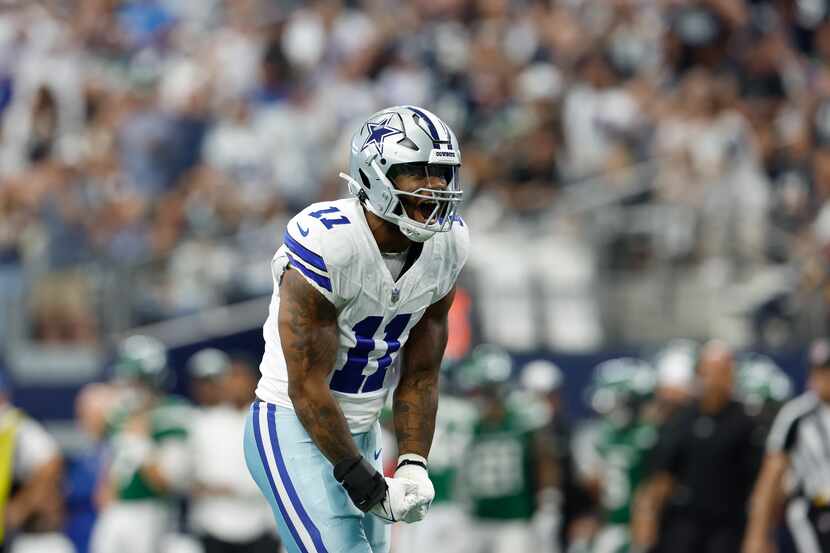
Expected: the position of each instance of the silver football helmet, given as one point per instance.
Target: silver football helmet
(406, 141)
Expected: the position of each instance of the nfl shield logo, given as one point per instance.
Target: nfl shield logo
(395, 295)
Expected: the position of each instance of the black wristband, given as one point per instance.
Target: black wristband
(365, 485)
(342, 468)
(411, 462)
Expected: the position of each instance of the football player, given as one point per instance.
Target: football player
(675, 364)
(545, 381)
(762, 386)
(511, 474)
(624, 438)
(358, 282)
(148, 453)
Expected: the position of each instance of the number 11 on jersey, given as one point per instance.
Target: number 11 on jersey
(350, 379)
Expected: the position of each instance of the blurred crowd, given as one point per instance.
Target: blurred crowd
(665, 462)
(174, 137)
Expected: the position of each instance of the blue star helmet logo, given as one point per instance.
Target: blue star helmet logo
(378, 132)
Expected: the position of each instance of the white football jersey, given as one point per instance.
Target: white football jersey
(330, 244)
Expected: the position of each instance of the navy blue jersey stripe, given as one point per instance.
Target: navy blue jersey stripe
(304, 253)
(323, 281)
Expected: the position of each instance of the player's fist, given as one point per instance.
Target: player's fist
(400, 499)
(413, 468)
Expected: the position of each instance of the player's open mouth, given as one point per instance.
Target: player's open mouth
(426, 208)
(429, 208)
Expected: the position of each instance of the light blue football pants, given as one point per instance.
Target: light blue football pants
(314, 513)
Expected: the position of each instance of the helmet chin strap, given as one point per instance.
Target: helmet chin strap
(416, 234)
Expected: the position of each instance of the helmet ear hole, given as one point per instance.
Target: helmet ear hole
(366, 182)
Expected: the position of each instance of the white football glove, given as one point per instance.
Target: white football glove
(400, 498)
(413, 468)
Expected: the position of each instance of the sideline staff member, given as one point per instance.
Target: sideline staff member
(30, 473)
(800, 442)
(703, 469)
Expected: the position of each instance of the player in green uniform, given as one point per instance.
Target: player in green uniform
(763, 387)
(510, 470)
(147, 453)
(624, 437)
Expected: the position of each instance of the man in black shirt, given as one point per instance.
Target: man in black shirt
(703, 469)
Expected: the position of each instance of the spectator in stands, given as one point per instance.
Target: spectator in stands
(227, 512)
(62, 310)
(31, 504)
(703, 469)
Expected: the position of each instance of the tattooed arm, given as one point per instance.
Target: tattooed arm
(308, 332)
(416, 397)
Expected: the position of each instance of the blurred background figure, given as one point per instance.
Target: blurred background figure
(31, 506)
(703, 467)
(147, 465)
(510, 475)
(763, 387)
(93, 405)
(226, 511)
(622, 442)
(797, 445)
(208, 369)
(675, 364)
(545, 382)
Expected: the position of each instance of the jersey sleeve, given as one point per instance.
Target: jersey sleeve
(455, 256)
(321, 255)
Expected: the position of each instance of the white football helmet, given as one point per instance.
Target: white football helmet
(541, 376)
(406, 140)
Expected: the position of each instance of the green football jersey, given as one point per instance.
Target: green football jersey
(454, 427)
(623, 451)
(499, 472)
(167, 420)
